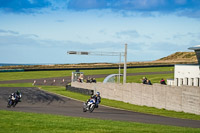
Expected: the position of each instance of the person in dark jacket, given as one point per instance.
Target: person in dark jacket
(162, 81)
(97, 99)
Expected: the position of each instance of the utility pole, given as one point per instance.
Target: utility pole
(125, 61)
(119, 68)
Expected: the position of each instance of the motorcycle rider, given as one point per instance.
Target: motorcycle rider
(97, 99)
(12, 96)
(18, 95)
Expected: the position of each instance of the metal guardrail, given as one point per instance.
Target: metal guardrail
(11, 70)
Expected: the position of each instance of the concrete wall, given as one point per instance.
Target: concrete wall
(184, 98)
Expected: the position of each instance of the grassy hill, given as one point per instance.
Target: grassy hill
(181, 56)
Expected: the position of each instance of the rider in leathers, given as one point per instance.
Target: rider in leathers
(16, 95)
(97, 99)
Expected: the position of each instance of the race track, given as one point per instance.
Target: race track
(38, 101)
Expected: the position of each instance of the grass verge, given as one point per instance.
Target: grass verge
(15, 122)
(155, 78)
(17, 85)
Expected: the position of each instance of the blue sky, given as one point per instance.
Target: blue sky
(42, 31)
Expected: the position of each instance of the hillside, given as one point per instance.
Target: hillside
(180, 57)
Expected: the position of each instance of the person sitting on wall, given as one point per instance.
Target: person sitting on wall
(81, 78)
(88, 80)
(162, 81)
(94, 80)
(148, 82)
(144, 80)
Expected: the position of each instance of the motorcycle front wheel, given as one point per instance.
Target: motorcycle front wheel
(9, 103)
(84, 107)
(92, 108)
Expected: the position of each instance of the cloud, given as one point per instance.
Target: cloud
(23, 6)
(60, 21)
(11, 40)
(181, 2)
(8, 32)
(87, 4)
(191, 13)
(136, 5)
(189, 8)
(127, 34)
(130, 35)
(37, 50)
(194, 36)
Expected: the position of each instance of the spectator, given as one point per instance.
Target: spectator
(144, 80)
(88, 80)
(81, 77)
(94, 80)
(162, 81)
(149, 82)
(79, 80)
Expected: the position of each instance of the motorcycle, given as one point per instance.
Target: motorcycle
(12, 100)
(89, 106)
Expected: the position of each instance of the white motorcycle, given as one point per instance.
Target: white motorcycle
(89, 106)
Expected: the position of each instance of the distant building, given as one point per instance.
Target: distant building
(187, 74)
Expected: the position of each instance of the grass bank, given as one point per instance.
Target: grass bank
(15, 122)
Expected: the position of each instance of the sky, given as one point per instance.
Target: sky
(42, 31)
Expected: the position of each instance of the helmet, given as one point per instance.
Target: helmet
(98, 94)
(18, 92)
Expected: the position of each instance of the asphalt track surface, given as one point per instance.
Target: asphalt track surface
(38, 101)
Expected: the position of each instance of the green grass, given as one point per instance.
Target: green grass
(19, 122)
(32, 75)
(47, 74)
(129, 70)
(122, 105)
(155, 78)
(17, 85)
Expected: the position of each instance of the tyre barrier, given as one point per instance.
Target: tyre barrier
(80, 90)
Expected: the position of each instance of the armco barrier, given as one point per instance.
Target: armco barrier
(177, 98)
(11, 70)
